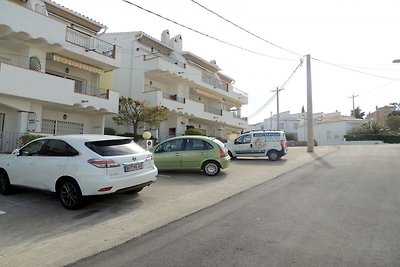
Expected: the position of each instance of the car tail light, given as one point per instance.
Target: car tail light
(221, 152)
(105, 189)
(149, 157)
(103, 163)
(282, 143)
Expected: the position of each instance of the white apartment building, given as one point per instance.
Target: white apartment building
(52, 63)
(194, 90)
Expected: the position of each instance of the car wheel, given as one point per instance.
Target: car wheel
(211, 168)
(70, 195)
(5, 186)
(230, 155)
(273, 155)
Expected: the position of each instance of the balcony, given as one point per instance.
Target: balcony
(85, 89)
(90, 43)
(214, 81)
(33, 85)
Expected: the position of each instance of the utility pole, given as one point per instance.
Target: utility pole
(354, 107)
(310, 130)
(277, 106)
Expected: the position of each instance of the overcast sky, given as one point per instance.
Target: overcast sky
(358, 38)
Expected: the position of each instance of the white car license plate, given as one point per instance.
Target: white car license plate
(133, 167)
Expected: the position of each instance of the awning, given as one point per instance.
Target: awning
(77, 64)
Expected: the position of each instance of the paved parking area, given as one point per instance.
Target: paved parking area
(37, 230)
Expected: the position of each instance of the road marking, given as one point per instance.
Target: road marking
(2, 212)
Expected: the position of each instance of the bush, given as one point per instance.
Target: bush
(110, 131)
(386, 138)
(291, 136)
(26, 138)
(193, 131)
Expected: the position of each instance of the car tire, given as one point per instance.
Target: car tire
(273, 155)
(211, 168)
(230, 155)
(5, 186)
(70, 195)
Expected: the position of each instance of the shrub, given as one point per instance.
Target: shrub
(110, 131)
(26, 138)
(291, 136)
(193, 131)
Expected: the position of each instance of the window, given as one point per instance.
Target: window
(117, 147)
(32, 149)
(170, 146)
(244, 139)
(58, 148)
(197, 144)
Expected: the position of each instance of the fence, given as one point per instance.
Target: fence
(9, 141)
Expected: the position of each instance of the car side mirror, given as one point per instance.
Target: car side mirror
(15, 152)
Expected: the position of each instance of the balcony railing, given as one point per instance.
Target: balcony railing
(211, 80)
(85, 89)
(90, 43)
(239, 117)
(174, 97)
(213, 110)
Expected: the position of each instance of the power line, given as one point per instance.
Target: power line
(204, 34)
(247, 31)
(354, 70)
(269, 101)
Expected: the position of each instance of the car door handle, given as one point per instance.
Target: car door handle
(177, 154)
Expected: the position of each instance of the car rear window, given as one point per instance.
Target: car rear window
(118, 147)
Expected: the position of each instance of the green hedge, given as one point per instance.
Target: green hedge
(390, 139)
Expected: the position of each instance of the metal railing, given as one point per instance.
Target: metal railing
(91, 90)
(174, 97)
(91, 43)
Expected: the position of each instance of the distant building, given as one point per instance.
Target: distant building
(329, 128)
(288, 122)
(381, 114)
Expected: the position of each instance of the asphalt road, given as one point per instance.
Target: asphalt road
(340, 210)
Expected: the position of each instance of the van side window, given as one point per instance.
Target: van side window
(244, 139)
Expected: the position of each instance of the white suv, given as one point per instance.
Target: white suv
(74, 166)
(258, 144)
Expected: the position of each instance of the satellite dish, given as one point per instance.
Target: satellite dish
(34, 64)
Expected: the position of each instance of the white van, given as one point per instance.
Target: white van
(258, 144)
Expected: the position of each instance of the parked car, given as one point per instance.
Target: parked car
(192, 152)
(258, 144)
(74, 166)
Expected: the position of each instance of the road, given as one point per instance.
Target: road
(340, 210)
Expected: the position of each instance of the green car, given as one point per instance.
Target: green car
(192, 152)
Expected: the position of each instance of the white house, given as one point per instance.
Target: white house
(287, 122)
(52, 61)
(329, 130)
(193, 89)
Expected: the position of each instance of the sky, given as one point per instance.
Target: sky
(352, 45)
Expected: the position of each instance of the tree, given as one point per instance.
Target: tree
(357, 113)
(369, 127)
(393, 122)
(136, 113)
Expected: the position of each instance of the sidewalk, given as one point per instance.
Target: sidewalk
(167, 200)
